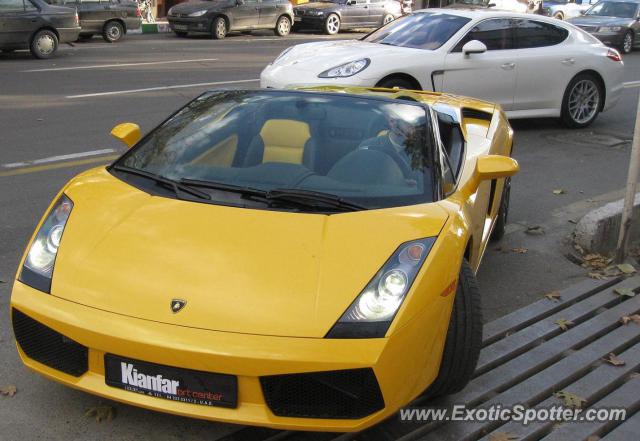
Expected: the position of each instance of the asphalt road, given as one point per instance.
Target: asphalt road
(66, 107)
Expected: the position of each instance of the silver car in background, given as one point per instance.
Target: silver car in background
(565, 9)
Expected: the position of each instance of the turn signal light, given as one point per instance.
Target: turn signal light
(614, 55)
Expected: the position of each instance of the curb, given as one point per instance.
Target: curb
(597, 232)
(161, 27)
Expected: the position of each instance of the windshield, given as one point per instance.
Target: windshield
(369, 151)
(425, 30)
(614, 9)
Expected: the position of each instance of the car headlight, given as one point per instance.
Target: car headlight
(38, 265)
(198, 13)
(318, 13)
(372, 312)
(609, 28)
(283, 53)
(346, 70)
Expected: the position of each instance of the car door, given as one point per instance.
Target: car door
(376, 11)
(18, 20)
(490, 75)
(545, 65)
(92, 14)
(355, 13)
(268, 13)
(246, 14)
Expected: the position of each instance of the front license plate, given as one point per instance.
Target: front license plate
(179, 27)
(171, 383)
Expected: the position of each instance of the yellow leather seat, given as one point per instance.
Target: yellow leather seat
(284, 140)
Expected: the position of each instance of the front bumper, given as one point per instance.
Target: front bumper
(67, 35)
(186, 24)
(404, 364)
(309, 21)
(610, 38)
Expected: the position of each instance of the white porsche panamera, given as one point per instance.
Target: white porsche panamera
(532, 66)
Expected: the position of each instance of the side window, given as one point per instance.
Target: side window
(360, 2)
(531, 33)
(496, 34)
(11, 6)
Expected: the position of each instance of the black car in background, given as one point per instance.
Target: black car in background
(331, 16)
(35, 25)
(219, 17)
(109, 18)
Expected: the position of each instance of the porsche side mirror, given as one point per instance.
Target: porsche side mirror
(583, 12)
(491, 5)
(473, 47)
(351, 2)
(127, 133)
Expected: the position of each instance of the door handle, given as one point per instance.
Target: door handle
(508, 66)
(568, 61)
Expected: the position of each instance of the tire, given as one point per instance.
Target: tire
(399, 83)
(181, 34)
(332, 24)
(559, 15)
(44, 44)
(577, 100)
(627, 43)
(387, 19)
(464, 338)
(283, 27)
(219, 28)
(503, 212)
(113, 31)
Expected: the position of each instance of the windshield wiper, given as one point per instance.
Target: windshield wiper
(174, 185)
(248, 191)
(313, 199)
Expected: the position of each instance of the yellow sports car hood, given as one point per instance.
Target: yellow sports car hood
(238, 270)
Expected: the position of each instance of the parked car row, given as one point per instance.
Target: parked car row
(218, 18)
(41, 26)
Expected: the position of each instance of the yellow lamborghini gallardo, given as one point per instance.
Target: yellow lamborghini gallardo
(299, 259)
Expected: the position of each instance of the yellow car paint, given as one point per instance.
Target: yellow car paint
(229, 261)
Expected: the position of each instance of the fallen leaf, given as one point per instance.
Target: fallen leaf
(10, 390)
(570, 400)
(563, 324)
(534, 230)
(626, 292)
(519, 250)
(553, 295)
(503, 436)
(559, 191)
(101, 413)
(626, 268)
(613, 360)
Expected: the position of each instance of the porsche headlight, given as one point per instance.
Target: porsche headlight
(346, 70)
(283, 53)
(609, 28)
(38, 265)
(370, 315)
(198, 13)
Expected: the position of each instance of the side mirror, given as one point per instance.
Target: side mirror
(351, 2)
(127, 133)
(474, 47)
(491, 5)
(490, 167)
(583, 12)
(239, 2)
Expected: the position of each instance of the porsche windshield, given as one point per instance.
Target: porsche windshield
(423, 30)
(243, 147)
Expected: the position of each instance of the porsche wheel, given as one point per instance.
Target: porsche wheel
(396, 83)
(464, 338)
(627, 43)
(582, 101)
(559, 15)
(44, 44)
(332, 24)
(112, 32)
(503, 212)
(219, 28)
(283, 27)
